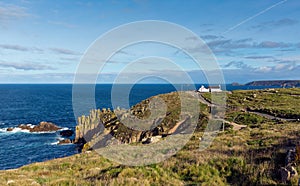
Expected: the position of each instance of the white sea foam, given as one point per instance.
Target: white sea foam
(65, 128)
(58, 138)
(57, 142)
(17, 129)
(31, 125)
(44, 132)
(14, 130)
(54, 143)
(3, 130)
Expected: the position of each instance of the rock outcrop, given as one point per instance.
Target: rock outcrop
(64, 141)
(100, 125)
(285, 174)
(289, 171)
(42, 127)
(66, 133)
(152, 139)
(103, 127)
(9, 129)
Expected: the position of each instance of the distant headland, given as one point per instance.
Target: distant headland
(282, 83)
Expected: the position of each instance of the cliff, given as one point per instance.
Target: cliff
(98, 129)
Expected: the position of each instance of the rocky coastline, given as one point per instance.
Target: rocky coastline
(44, 127)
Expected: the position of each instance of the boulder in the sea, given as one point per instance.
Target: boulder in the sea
(66, 133)
(9, 129)
(64, 141)
(42, 127)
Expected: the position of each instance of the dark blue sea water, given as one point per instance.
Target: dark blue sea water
(31, 104)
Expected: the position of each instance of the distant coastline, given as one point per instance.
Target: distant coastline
(282, 83)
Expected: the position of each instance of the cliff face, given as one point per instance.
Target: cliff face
(96, 129)
(103, 127)
(282, 83)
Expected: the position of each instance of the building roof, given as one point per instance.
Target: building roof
(214, 87)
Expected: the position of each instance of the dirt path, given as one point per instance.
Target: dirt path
(172, 130)
(268, 116)
(202, 100)
(234, 125)
(199, 97)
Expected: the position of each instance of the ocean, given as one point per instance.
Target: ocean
(31, 104)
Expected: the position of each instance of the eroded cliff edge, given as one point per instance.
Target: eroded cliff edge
(102, 127)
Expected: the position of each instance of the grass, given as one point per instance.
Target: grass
(250, 156)
(245, 118)
(277, 102)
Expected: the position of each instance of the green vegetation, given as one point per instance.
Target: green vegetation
(277, 102)
(248, 156)
(245, 118)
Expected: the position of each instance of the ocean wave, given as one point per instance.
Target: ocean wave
(58, 140)
(54, 143)
(65, 128)
(44, 132)
(14, 130)
(17, 129)
(3, 130)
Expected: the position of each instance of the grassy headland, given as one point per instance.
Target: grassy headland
(252, 155)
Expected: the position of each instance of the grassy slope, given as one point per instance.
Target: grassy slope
(246, 157)
(277, 102)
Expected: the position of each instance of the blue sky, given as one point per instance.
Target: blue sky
(42, 41)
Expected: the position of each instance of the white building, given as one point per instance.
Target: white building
(215, 88)
(203, 89)
(210, 89)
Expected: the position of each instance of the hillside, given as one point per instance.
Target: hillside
(261, 126)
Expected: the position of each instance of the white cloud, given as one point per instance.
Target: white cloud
(64, 51)
(19, 48)
(10, 12)
(25, 66)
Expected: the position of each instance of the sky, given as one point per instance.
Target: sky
(45, 41)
